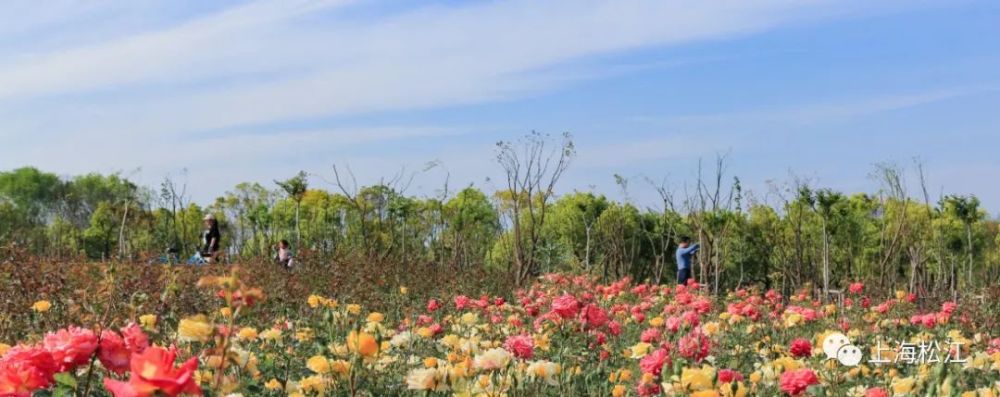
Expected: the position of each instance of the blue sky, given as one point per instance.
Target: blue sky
(254, 91)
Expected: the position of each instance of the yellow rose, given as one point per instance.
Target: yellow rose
(313, 383)
(640, 349)
(315, 301)
(41, 306)
(404, 290)
(247, 333)
(272, 384)
(148, 321)
(470, 318)
(375, 317)
(728, 390)
(271, 334)
(3, 348)
(195, 329)
(792, 320)
(458, 371)
(425, 332)
(304, 334)
(618, 391)
(697, 379)
(542, 342)
(656, 322)
(787, 363)
(354, 308)
(710, 328)
(226, 312)
(340, 367)
(903, 386)
(318, 364)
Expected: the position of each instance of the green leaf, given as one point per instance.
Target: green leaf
(65, 379)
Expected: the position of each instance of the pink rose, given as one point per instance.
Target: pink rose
(795, 382)
(653, 362)
(521, 346)
(113, 353)
(565, 306)
(70, 347)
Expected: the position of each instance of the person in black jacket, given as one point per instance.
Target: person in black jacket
(210, 239)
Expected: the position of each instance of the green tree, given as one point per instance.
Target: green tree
(966, 210)
(573, 223)
(295, 187)
(471, 226)
(100, 234)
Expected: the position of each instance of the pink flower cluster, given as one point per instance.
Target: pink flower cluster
(930, 320)
(25, 369)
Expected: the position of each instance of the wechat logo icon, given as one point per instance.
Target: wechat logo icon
(838, 346)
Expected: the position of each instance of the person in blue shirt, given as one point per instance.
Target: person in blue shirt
(684, 252)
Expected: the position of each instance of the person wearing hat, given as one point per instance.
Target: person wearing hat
(210, 238)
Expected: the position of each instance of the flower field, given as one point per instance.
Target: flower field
(264, 333)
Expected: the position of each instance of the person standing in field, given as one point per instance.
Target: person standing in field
(210, 239)
(684, 252)
(284, 255)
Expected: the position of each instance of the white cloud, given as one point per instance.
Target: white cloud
(132, 96)
(275, 60)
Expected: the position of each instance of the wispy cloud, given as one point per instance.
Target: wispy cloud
(106, 85)
(278, 60)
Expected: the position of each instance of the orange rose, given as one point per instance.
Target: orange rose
(153, 374)
(362, 343)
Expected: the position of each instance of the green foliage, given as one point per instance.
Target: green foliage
(893, 240)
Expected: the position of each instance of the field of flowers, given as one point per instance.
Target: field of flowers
(565, 335)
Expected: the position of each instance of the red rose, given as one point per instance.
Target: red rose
(615, 328)
(797, 381)
(728, 375)
(801, 347)
(594, 316)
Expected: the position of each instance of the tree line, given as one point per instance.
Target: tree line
(796, 233)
